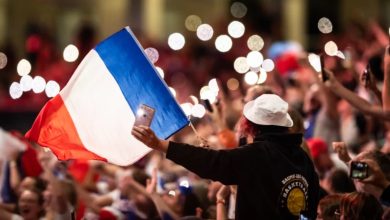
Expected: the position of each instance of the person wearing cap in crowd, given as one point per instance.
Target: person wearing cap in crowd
(276, 179)
(320, 154)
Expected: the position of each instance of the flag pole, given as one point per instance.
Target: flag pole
(194, 129)
(201, 139)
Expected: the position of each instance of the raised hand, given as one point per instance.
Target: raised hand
(375, 175)
(147, 136)
(341, 149)
(223, 192)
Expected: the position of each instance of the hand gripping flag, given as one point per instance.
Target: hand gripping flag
(92, 116)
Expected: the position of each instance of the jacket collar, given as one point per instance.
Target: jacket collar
(284, 139)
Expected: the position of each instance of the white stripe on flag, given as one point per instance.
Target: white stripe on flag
(101, 115)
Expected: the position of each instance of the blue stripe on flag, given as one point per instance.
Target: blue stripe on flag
(140, 82)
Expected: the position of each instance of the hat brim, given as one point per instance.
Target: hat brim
(249, 114)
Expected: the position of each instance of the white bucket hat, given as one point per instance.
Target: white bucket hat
(268, 109)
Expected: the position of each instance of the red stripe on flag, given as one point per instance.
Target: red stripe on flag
(54, 128)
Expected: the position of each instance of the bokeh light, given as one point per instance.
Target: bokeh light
(251, 78)
(262, 76)
(254, 59)
(24, 67)
(152, 54)
(331, 48)
(268, 65)
(71, 53)
(238, 10)
(236, 29)
(3, 60)
(172, 193)
(232, 84)
(192, 22)
(194, 99)
(52, 88)
(184, 183)
(15, 90)
(187, 108)
(213, 85)
(340, 54)
(255, 43)
(26, 83)
(223, 43)
(198, 111)
(176, 41)
(207, 93)
(38, 84)
(160, 71)
(173, 91)
(314, 61)
(255, 69)
(325, 25)
(241, 65)
(204, 32)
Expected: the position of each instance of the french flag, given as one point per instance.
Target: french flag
(92, 117)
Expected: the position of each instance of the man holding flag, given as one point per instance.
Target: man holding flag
(92, 115)
(275, 178)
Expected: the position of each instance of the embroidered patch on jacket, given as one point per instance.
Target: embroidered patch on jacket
(294, 194)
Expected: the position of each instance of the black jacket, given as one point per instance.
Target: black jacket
(385, 197)
(275, 177)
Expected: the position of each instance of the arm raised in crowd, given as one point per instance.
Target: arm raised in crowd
(63, 192)
(370, 84)
(356, 101)
(386, 81)
(15, 176)
(150, 192)
(327, 98)
(328, 101)
(377, 178)
(341, 149)
(225, 166)
(226, 137)
(222, 196)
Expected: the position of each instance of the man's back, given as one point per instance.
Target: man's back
(282, 184)
(275, 177)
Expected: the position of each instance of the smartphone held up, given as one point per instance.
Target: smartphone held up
(359, 170)
(144, 115)
(324, 76)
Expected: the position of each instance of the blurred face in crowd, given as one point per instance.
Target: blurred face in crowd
(344, 108)
(29, 205)
(27, 183)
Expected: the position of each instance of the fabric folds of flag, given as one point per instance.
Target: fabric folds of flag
(92, 116)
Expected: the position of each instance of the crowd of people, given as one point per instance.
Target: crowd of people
(280, 150)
